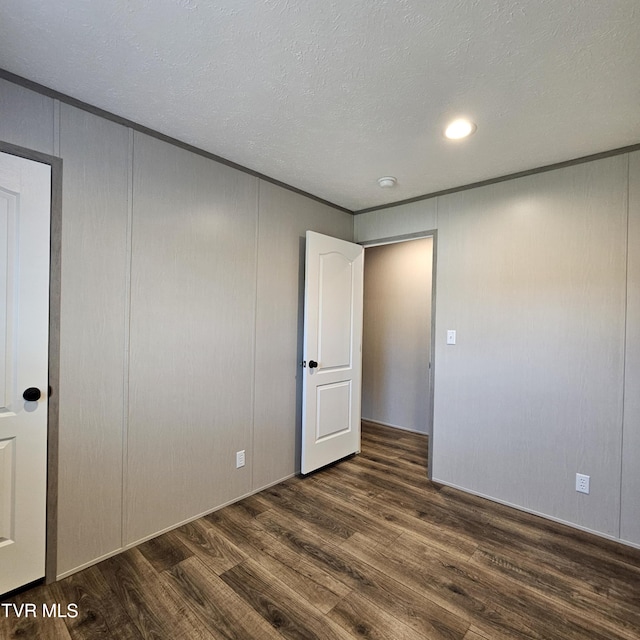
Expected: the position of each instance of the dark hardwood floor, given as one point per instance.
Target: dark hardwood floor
(368, 548)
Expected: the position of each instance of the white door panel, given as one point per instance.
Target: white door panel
(332, 347)
(333, 403)
(25, 188)
(335, 291)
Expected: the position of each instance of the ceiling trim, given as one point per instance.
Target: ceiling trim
(509, 176)
(52, 93)
(56, 95)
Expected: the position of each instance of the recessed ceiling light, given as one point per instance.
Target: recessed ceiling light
(387, 182)
(460, 128)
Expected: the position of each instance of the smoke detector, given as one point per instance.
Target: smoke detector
(387, 182)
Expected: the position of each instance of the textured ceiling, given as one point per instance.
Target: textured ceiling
(328, 96)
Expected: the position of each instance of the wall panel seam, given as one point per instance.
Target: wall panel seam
(127, 337)
(56, 128)
(625, 346)
(255, 336)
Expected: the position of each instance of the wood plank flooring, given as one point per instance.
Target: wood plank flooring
(367, 548)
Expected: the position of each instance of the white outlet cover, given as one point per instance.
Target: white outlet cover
(582, 483)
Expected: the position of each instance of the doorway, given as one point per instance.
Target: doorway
(397, 380)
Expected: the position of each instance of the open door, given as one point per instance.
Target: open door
(332, 369)
(25, 214)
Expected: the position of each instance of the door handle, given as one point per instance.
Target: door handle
(32, 394)
(312, 364)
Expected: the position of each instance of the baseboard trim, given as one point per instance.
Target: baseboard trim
(131, 545)
(395, 426)
(546, 516)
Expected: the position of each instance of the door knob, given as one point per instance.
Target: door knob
(312, 364)
(32, 394)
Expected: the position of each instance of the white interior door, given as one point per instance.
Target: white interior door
(25, 194)
(332, 350)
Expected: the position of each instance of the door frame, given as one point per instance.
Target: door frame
(433, 233)
(54, 348)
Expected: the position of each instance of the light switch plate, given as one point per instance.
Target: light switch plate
(451, 336)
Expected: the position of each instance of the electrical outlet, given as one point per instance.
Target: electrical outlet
(239, 459)
(582, 483)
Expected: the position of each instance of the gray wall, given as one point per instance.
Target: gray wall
(396, 343)
(532, 273)
(180, 326)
